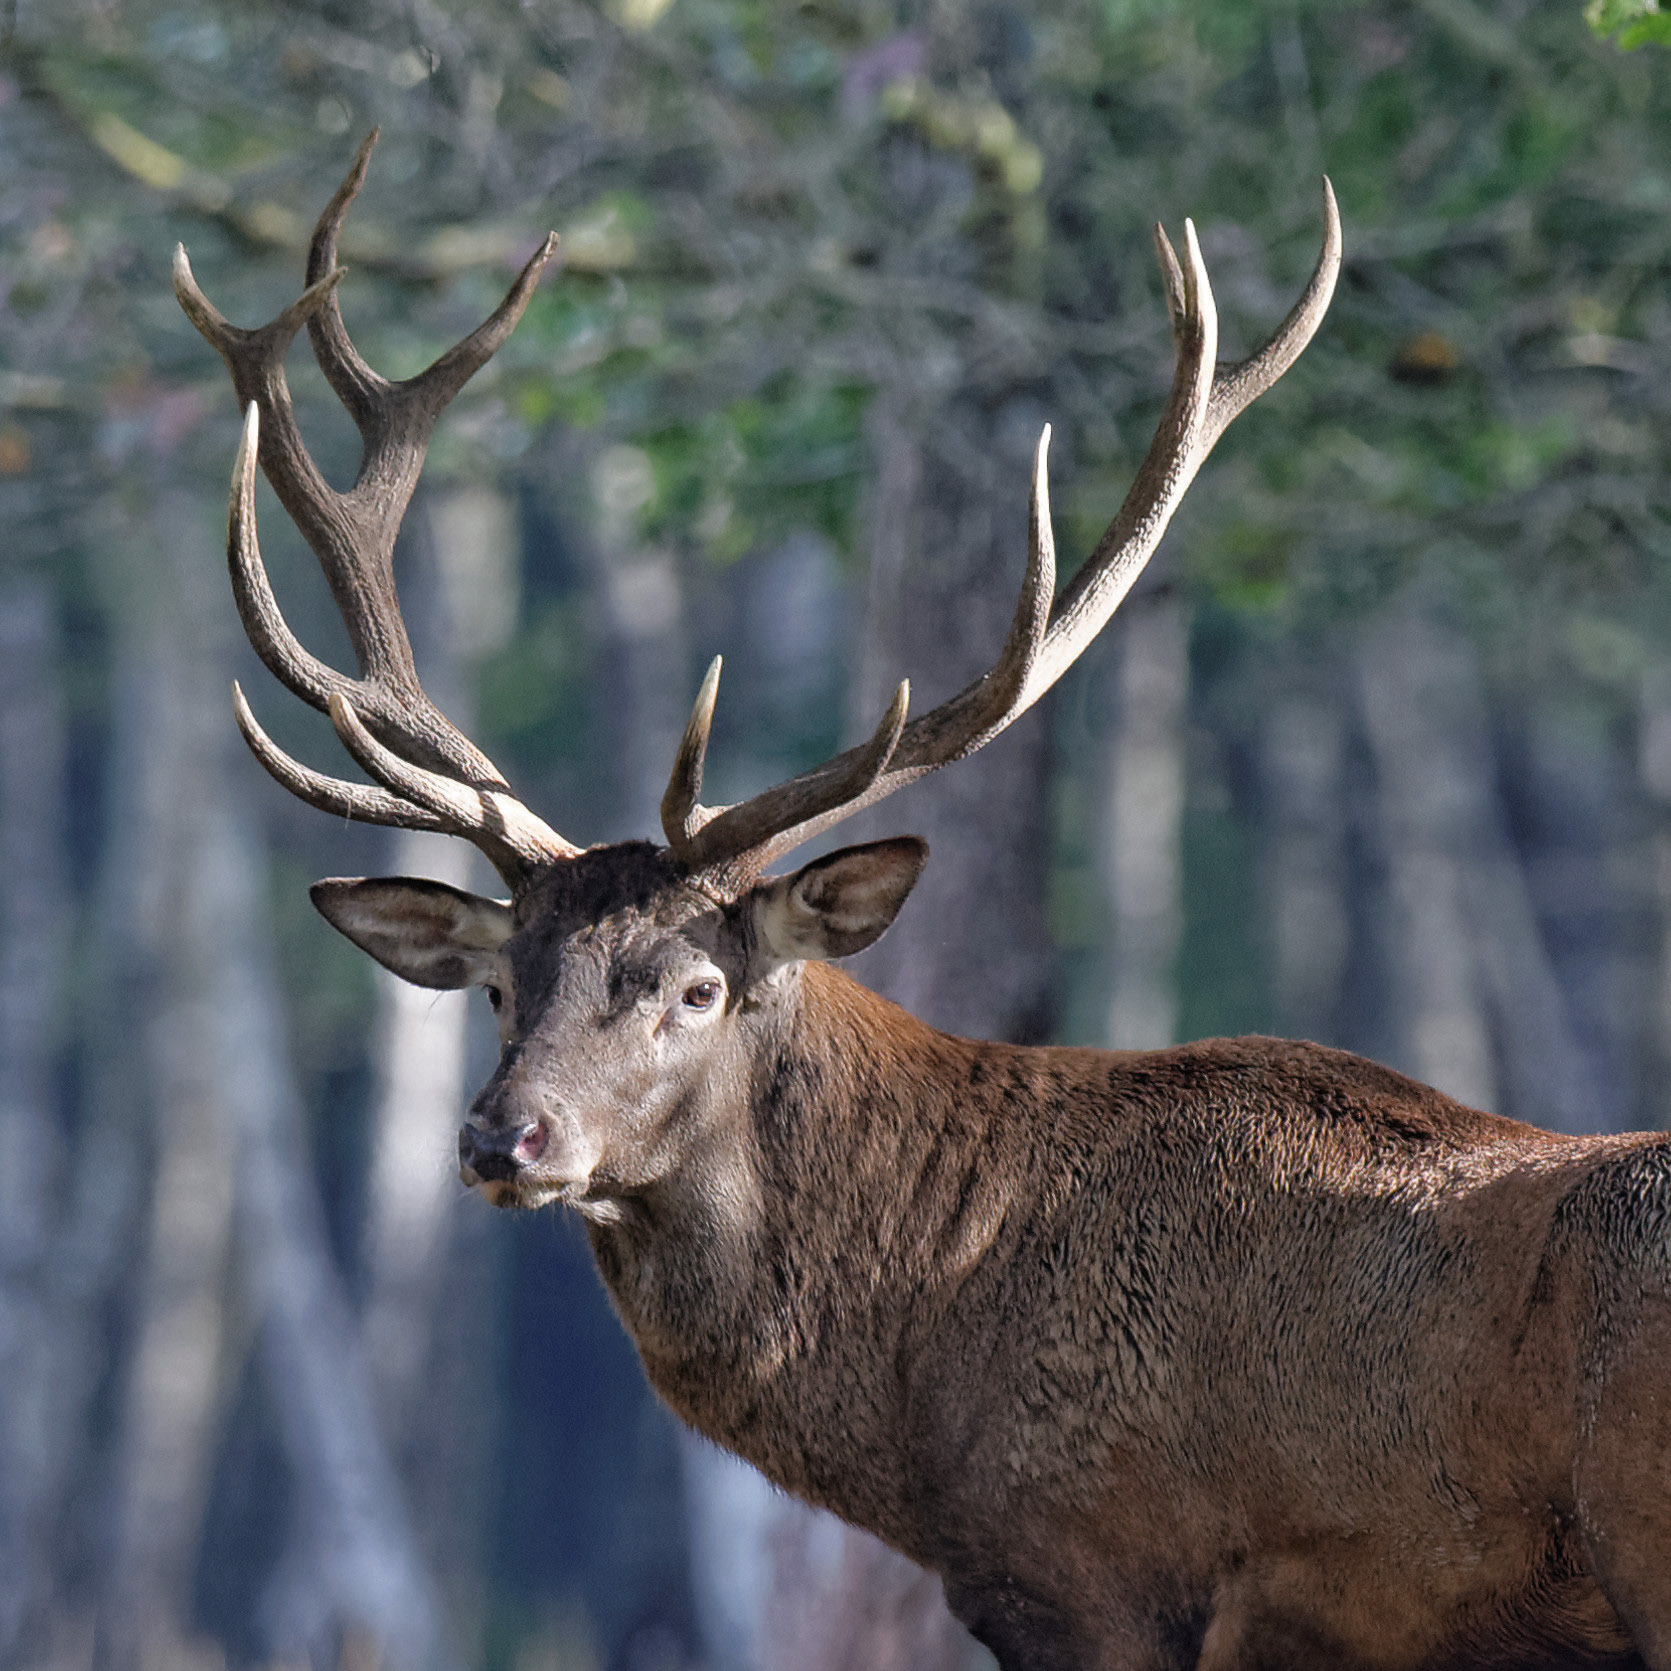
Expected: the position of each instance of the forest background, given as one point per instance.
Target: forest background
(1379, 754)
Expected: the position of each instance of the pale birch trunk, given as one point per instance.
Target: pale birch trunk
(174, 1380)
(412, 1195)
(1481, 1014)
(1142, 822)
(413, 1176)
(427, 1259)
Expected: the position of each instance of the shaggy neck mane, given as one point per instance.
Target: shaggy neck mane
(867, 1190)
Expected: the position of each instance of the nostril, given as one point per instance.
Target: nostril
(496, 1169)
(497, 1154)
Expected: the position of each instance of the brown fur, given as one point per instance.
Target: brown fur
(1246, 1355)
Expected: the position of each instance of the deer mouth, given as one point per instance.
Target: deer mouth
(518, 1193)
(515, 1168)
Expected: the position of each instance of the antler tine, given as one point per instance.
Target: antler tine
(353, 536)
(1028, 630)
(353, 533)
(760, 827)
(1175, 454)
(354, 383)
(297, 668)
(1236, 387)
(681, 815)
(517, 841)
(1045, 637)
(380, 408)
(1172, 276)
(363, 802)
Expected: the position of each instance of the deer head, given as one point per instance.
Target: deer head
(634, 983)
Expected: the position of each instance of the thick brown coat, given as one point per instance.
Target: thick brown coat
(1243, 1353)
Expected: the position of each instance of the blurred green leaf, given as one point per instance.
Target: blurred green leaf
(1634, 22)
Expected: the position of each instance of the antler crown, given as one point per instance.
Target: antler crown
(428, 775)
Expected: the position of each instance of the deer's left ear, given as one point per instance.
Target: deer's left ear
(426, 932)
(839, 904)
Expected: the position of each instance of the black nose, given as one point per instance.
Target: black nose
(499, 1154)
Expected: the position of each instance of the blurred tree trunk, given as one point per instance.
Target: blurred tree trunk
(454, 551)
(1580, 824)
(175, 1373)
(65, 1487)
(641, 601)
(1303, 772)
(1481, 1013)
(362, 1574)
(1142, 820)
(229, 1130)
(989, 971)
(34, 928)
(1654, 769)
(427, 1265)
(412, 1183)
(1406, 676)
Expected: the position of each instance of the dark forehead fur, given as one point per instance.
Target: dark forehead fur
(635, 876)
(634, 885)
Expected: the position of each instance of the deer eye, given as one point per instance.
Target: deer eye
(701, 995)
(496, 998)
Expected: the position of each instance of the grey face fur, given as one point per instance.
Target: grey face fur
(630, 1004)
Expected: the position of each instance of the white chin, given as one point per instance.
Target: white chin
(507, 1192)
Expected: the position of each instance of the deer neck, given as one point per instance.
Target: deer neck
(778, 1286)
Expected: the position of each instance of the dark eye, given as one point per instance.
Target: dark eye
(496, 998)
(701, 995)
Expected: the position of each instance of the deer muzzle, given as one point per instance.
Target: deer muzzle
(499, 1154)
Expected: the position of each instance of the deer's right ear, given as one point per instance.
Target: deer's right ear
(425, 932)
(839, 904)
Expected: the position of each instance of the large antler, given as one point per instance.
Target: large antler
(433, 777)
(736, 843)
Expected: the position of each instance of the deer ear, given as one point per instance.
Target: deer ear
(839, 904)
(426, 932)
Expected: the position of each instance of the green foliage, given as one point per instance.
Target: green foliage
(1634, 22)
(786, 457)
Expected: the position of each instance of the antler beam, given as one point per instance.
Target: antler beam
(1048, 633)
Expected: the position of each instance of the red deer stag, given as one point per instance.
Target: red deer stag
(1240, 1354)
